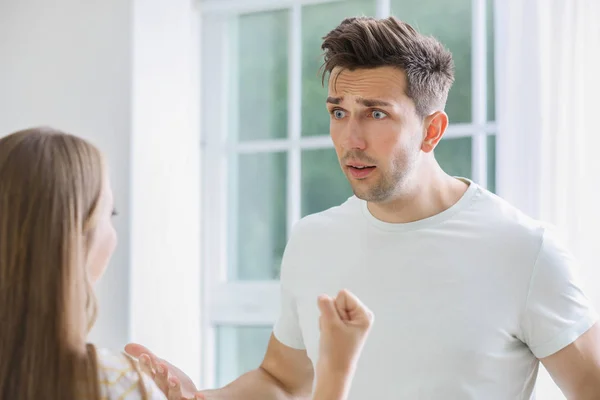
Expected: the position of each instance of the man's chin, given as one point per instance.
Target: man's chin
(362, 194)
(367, 189)
(367, 193)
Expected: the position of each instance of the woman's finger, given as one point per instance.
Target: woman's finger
(161, 377)
(329, 313)
(146, 366)
(174, 390)
(351, 308)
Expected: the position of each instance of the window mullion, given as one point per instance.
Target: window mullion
(232, 135)
(294, 178)
(384, 8)
(479, 91)
(215, 99)
(233, 7)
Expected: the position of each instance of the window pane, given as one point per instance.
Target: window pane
(324, 185)
(491, 86)
(240, 349)
(450, 22)
(317, 21)
(491, 163)
(257, 217)
(260, 75)
(454, 156)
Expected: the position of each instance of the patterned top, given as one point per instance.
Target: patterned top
(119, 379)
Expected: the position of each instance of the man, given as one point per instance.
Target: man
(469, 293)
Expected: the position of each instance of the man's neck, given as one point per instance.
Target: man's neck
(428, 195)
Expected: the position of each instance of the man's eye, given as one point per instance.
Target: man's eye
(378, 114)
(338, 114)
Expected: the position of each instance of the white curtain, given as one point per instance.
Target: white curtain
(548, 115)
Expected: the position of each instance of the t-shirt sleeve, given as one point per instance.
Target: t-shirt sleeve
(557, 311)
(287, 326)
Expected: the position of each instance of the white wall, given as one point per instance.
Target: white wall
(546, 117)
(67, 64)
(123, 73)
(165, 173)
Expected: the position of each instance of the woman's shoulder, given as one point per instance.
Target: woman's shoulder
(119, 376)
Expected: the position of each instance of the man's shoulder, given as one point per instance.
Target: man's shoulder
(513, 231)
(331, 218)
(496, 212)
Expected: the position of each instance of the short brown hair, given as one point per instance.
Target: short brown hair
(366, 42)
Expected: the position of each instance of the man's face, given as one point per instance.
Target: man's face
(375, 129)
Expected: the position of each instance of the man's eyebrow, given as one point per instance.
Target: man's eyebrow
(373, 103)
(360, 100)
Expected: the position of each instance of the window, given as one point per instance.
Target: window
(267, 157)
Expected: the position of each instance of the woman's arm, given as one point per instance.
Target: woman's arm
(345, 324)
(331, 385)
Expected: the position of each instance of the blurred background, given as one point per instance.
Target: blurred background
(212, 116)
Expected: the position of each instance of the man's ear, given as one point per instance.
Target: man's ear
(434, 127)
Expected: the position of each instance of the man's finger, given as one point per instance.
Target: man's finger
(204, 395)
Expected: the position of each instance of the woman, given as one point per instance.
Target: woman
(56, 239)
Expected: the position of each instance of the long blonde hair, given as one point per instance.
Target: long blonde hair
(50, 184)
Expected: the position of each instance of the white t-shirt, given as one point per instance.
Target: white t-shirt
(465, 302)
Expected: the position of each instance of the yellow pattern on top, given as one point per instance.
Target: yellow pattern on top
(119, 380)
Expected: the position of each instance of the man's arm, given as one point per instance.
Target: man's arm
(345, 324)
(576, 368)
(559, 323)
(285, 373)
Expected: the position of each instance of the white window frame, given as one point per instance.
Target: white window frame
(253, 303)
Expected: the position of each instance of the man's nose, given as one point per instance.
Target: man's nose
(353, 136)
